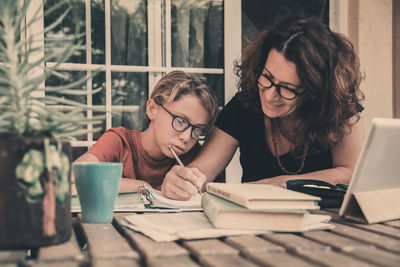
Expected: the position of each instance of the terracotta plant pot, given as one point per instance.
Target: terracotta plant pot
(34, 192)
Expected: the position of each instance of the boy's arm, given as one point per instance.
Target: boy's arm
(87, 157)
(127, 184)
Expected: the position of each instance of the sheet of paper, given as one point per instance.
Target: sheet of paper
(174, 226)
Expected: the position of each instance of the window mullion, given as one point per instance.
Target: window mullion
(154, 22)
(232, 52)
(108, 63)
(89, 62)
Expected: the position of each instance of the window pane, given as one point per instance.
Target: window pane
(260, 14)
(77, 152)
(134, 120)
(130, 89)
(197, 33)
(216, 82)
(102, 125)
(99, 81)
(74, 22)
(129, 32)
(64, 78)
(98, 31)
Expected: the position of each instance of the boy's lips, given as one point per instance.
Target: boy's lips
(177, 149)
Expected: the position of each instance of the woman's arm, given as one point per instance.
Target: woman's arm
(344, 157)
(127, 185)
(214, 156)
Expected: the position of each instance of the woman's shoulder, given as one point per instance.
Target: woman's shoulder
(237, 104)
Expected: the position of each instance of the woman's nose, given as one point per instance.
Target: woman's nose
(271, 93)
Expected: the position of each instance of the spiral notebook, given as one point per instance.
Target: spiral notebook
(155, 199)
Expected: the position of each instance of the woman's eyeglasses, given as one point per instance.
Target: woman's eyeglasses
(285, 92)
(181, 124)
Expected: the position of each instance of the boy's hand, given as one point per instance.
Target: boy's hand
(182, 182)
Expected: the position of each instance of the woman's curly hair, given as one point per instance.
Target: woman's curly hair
(328, 69)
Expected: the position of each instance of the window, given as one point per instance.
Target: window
(131, 44)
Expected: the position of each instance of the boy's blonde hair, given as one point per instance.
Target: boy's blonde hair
(177, 83)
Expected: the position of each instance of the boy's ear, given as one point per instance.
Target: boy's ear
(151, 108)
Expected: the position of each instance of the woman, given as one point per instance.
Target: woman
(296, 115)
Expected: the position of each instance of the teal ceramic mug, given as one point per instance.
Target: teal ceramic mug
(97, 184)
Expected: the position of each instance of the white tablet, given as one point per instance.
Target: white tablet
(378, 166)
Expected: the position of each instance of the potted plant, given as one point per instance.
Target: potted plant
(34, 155)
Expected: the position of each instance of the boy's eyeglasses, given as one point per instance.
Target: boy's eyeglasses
(181, 124)
(287, 93)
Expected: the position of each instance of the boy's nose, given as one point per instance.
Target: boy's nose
(186, 134)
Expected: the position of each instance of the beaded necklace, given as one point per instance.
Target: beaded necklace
(278, 159)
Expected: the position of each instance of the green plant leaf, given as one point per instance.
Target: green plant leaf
(26, 107)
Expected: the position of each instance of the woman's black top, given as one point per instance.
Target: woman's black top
(257, 161)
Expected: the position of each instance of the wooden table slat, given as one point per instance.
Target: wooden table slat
(388, 228)
(63, 252)
(278, 259)
(9, 264)
(395, 223)
(209, 247)
(294, 242)
(377, 256)
(225, 260)
(332, 258)
(376, 228)
(384, 242)
(337, 242)
(179, 261)
(252, 244)
(66, 263)
(105, 242)
(117, 262)
(362, 251)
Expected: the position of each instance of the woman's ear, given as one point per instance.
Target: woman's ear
(151, 108)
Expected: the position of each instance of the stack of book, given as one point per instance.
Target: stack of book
(261, 207)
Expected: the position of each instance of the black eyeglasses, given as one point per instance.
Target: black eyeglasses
(181, 124)
(287, 93)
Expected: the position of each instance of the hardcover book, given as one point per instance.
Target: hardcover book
(263, 196)
(228, 215)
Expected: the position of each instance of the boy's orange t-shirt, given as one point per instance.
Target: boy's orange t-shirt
(125, 146)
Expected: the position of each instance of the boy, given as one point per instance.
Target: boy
(181, 109)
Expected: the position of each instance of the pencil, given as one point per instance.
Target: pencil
(180, 163)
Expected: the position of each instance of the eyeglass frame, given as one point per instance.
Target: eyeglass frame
(174, 117)
(277, 86)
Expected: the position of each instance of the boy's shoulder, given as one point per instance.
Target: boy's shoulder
(122, 131)
(122, 134)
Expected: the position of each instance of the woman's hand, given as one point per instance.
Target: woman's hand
(182, 182)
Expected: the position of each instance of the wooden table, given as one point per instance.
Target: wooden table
(349, 244)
